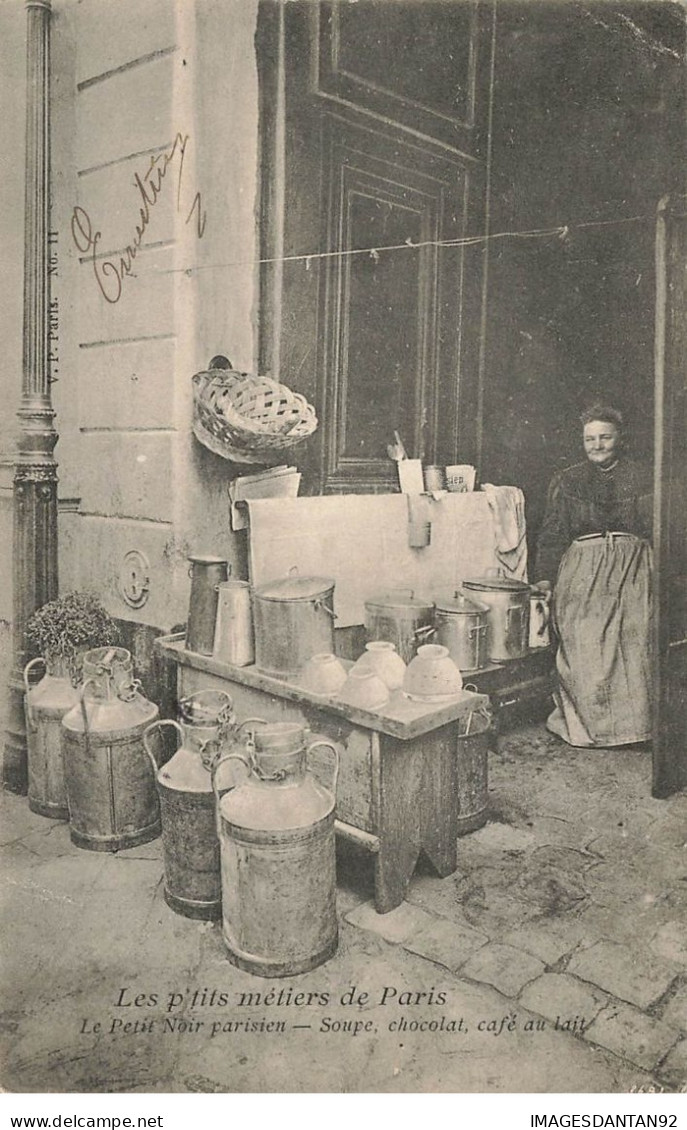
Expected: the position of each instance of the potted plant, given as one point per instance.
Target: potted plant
(62, 631)
(64, 628)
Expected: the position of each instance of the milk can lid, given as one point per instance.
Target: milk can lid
(496, 584)
(458, 602)
(296, 588)
(399, 599)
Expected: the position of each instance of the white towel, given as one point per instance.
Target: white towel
(507, 505)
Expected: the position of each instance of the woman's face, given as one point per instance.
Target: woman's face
(601, 442)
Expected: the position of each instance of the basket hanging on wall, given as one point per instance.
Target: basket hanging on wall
(246, 418)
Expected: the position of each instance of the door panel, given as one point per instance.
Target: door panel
(390, 299)
(416, 65)
(670, 501)
(374, 165)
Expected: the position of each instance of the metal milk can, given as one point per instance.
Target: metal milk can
(276, 831)
(45, 706)
(206, 574)
(110, 789)
(187, 803)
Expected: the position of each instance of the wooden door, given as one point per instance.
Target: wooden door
(375, 153)
(670, 500)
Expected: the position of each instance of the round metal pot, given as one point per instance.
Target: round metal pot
(461, 626)
(508, 622)
(401, 618)
(294, 620)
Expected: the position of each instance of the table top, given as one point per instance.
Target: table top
(401, 717)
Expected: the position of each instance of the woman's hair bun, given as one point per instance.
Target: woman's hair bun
(604, 412)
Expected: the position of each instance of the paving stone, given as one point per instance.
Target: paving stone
(670, 941)
(447, 943)
(503, 837)
(439, 896)
(396, 926)
(506, 968)
(632, 1034)
(549, 938)
(560, 997)
(675, 1011)
(493, 912)
(674, 1068)
(625, 973)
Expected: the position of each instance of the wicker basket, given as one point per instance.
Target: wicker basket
(246, 418)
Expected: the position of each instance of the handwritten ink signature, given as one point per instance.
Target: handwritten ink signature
(110, 274)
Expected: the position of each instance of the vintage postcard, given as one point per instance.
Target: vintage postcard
(342, 597)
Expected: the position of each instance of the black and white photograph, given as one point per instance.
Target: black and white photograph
(343, 549)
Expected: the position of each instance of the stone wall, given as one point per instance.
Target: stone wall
(173, 85)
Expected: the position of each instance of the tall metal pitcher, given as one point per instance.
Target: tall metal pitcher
(276, 831)
(187, 804)
(110, 789)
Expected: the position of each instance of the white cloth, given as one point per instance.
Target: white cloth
(507, 505)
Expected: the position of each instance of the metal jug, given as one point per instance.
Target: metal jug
(540, 617)
(206, 574)
(276, 832)
(187, 804)
(234, 637)
(46, 704)
(111, 792)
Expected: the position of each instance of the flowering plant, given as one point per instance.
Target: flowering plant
(65, 627)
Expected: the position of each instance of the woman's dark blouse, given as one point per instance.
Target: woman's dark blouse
(586, 500)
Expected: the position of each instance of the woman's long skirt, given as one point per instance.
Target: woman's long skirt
(602, 611)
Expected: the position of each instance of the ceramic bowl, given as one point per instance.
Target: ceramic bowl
(381, 657)
(432, 676)
(364, 689)
(323, 674)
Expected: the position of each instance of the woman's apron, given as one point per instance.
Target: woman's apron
(602, 613)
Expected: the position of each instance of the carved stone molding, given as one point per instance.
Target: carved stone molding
(35, 473)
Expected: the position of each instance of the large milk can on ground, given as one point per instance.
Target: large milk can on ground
(187, 803)
(45, 706)
(110, 787)
(276, 831)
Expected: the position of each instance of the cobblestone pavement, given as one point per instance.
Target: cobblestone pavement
(554, 959)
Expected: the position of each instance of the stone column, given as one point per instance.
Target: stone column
(35, 476)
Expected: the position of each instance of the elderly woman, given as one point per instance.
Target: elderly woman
(594, 545)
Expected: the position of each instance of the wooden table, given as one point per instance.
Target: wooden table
(409, 783)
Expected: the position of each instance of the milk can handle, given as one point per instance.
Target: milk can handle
(154, 726)
(213, 778)
(332, 747)
(225, 717)
(424, 633)
(29, 711)
(543, 610)
(84, 713)
(321, 604)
